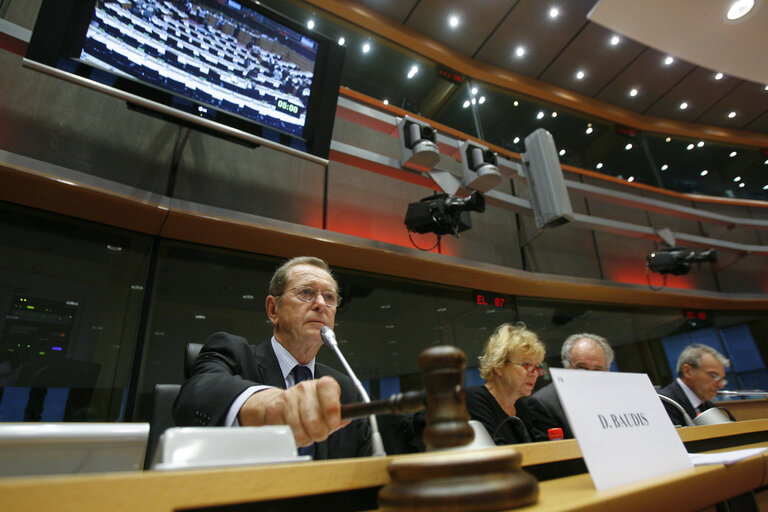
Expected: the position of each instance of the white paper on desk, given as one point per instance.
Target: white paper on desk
(621, 426)
(701, 459)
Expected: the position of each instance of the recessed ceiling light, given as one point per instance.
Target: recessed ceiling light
(473, 101)
(342, 41)
(704, 172)
(700, 144)
(664, 167)
(765, 187)
(718, 76)
(412, 72)
(690, 146)
(466, 104)
(520, 51)
(515, 103)
(599, 165)
(515, 140)
(247, 296)
(731, 115)
(386, 101)
(562, 152)
(588, 130)
(633, 92)
(199, 317)
(628, 146)
(615, 40)
(554, 12)
(385, 306)
(631, 179)
(540, 115)
(733, 154)
(366, 47)
(579, 75)
(766, 162)
(554, 114)
(481, 100)
(311, 24)
(683, 105)
(669, 60)
(668, 139)
(765, 88)
(473, 91)
(742, 185)
(739, 9)
(737, 179)
(453, 21)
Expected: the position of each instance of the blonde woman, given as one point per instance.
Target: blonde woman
(510, 365)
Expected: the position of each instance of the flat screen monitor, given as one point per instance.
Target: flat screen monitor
(232, 67)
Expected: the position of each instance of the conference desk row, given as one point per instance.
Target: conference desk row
(353, 484)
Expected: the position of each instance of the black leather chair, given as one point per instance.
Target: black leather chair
(163, 397)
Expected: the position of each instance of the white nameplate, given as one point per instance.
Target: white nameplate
(621, 426)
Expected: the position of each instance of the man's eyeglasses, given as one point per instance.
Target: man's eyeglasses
(718, 378)
(531, 368)
(309, 294)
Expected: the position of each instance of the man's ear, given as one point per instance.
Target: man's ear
(271, 306)
(687, 369)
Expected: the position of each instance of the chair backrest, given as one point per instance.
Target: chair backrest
(163, 397)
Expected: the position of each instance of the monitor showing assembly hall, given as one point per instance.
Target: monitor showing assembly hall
(235, 63)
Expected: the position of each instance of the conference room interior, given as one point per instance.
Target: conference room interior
(113, 260)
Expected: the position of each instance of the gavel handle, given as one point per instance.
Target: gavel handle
(410, 401)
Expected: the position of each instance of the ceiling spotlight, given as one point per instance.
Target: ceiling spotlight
(386, 101)
(668, 139)
(473, 101)
(554, 12)
(628, 146)
(731, 115)
(342, 41)
(669, 60)
(737, 179)
(683, 105)
(733, 154)
(474, 91)
(466, 104)
(690, 146)
(453, 21)
(540, 115)
(631, 179)
(664, 167)
(615, 40)
(704, 172)
(516, 140)
(311, 24)
(366, 47)
(739, 9)
(562, 152)
(412, 72)
(520, 51)
(765, 187)
(554, 114)
(599, 165)
(481, 100)
(516, 103)
(700, 144)
(742, 185)
(589, 130)
(633, 92)
(579, 75)
(719, 76)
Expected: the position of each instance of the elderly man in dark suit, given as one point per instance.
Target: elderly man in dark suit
(583, 351)
(278, 382)
(700, 375)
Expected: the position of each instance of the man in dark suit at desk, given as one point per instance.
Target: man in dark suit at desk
(278, 382)
(700, 375)
(583, 351)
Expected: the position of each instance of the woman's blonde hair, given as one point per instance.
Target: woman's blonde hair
(506, 339)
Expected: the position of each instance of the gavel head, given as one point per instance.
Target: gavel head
(447, 419)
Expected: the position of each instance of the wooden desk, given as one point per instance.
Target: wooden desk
(752, 409)
(196, 489)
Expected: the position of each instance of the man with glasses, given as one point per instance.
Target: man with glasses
(583, 351)
(278, 382)
(700, 375)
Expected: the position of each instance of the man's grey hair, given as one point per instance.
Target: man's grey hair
(571, 340)
(280, 278)
(691, 355)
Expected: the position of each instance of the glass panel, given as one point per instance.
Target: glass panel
(70, 298)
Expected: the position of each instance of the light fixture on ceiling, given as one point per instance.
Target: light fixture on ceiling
(599, 165)
(704, 172)
(481, 100)
(554, 114)
(615, 40)
(733, 154)
(669, 60)
(739, 9)
(683, 105)
(540, 115)
(386, 101)
(579, 75)
(589, 129)
(453, 21)
(742, 185)
(664, 167)
(700, 144)
(631, 179)
(311, 24)
(516, 140)
(554, 12)
(628, 146)
(466, 104)
(718, 76)
(412, 72)
(633, 92)
(520, 51)
(668, 139)
(690, 146)
(731, 115)
(342, 41)
(765, 187)
(561, 152)
(737, 179)
(366, 47)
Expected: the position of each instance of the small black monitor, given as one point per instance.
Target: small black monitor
(234, 67)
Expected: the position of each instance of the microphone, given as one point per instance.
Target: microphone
(743, 392)
(688, 421)
(329, 338)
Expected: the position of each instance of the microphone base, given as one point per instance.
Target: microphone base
(467, 481)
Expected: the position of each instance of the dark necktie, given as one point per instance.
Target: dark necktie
(301, 373)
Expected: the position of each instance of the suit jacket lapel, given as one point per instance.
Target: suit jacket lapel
(268, 367)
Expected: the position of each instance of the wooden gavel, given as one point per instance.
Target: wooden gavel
(447, 420)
